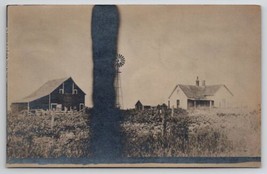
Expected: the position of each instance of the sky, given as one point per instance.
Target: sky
(163, 46)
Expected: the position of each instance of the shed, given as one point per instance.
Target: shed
(139, 106)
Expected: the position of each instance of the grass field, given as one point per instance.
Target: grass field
(212, 133)
(149, 133)
(33, 136)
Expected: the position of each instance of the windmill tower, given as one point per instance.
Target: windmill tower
(120, 61)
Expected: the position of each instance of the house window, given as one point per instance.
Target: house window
(177, 103)
(75, 91)
(61, 91)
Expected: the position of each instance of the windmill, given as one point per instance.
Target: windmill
(119, 62)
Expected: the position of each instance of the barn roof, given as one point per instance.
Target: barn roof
(200, 92)
(44, 90)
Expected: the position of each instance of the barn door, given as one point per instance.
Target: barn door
(81, 106)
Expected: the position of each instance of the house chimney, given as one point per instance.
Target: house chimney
(197, 82)
(204, 83)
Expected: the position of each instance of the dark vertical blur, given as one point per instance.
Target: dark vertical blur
(104, 124)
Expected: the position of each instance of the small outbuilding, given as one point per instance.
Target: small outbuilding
(139, 106)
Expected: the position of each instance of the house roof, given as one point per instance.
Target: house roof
(199, 92)
(44, 90)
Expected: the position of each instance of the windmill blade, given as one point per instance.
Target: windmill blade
(120, 60)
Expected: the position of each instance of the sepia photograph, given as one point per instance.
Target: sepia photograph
(133, 86)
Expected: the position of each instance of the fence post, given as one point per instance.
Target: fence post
(164, 131)
(52, 120)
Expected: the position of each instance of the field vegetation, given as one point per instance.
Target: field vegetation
(212, 133)
(147, 133)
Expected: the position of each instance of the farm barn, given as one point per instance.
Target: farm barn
(196, 96)
(59, 94)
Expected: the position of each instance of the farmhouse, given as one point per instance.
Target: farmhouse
(196, 96)
(59, 94)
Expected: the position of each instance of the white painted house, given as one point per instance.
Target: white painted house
(196, 96)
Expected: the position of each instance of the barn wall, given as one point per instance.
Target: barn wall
(68, 99)
(71, 100)
(178, 94)
(41, 103)
(17, 107)
(68, 86)
(222, 98)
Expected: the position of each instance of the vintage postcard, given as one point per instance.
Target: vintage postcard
(133, 86)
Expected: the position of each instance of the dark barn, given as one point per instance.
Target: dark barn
(60, 94)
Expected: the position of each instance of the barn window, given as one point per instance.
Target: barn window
(61, 91)
(75, 91)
